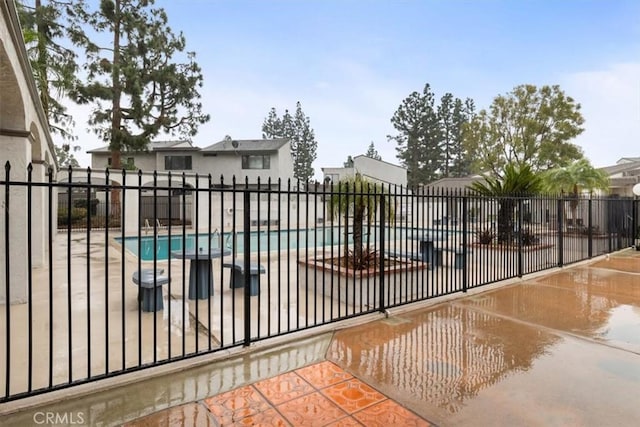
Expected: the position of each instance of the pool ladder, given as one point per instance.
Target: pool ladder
(147, 227)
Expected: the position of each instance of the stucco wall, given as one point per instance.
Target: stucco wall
(380, 171)
(227, 164)
(24, 138)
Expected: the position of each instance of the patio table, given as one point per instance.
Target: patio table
(427, 250)
(201, 271)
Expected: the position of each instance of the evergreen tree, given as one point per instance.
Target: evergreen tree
(289, 131)
(135, 84)
(45, 26)
(306, 146)
(418, 140)
(463, 114)
(272, 125)
(372, 152)
(297, 129)
(445, 116)
(65, 157)
(453, 115)
(348, 163)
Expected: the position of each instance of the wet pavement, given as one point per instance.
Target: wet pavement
(559, 349)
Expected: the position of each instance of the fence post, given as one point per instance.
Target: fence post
(381, 308)
(590, 228)
(560, 225)
(464, 243)
(610, 224)
(247, 265)
(634, 221)
(520, 238)
(7, 279)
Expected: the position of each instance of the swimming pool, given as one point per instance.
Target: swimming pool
(259, 241)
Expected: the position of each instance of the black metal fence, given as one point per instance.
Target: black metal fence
(196, 265)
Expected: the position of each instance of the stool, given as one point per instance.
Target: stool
(460, 260)
(430, 254)
(147, 280)
(237, 276)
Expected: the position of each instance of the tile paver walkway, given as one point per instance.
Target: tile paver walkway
(321, 394)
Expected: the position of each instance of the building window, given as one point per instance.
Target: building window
(172, 163)
(256, 162)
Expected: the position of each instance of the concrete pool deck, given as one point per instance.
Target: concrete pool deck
(560, 348)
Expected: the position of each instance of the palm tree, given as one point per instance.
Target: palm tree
(516, 181)
(359, 198)
(573, 179)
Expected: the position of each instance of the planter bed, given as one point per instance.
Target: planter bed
(359, 287)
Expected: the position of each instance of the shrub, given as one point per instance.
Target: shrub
(529, 239)
(594, 230)
(76, 214)
(82, 203)
(485, 237)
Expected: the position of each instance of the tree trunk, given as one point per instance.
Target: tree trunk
(357, 237)
(116, 119)
(346, 237)
(505, 220)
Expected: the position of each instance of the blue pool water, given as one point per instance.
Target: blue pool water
(260, 241)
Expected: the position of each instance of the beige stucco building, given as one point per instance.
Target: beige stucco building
(375, 170)
(250, 159)
(623, 176)
(24, 140)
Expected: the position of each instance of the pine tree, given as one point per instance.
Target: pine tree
(463, 114)
(306, 146)
(45, 27)
(372, 152)
(348, 163)
(418, 140)
(297, 129)
(135, 84)
(272, 125)
(445, 116)
(65, 158)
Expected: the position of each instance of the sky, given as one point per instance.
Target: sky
(351, 63)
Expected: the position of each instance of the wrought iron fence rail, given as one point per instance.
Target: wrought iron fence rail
(204, 266)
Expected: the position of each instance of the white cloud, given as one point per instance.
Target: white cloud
(610, 99)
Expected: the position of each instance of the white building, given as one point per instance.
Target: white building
(250, 159)
(162, 199)
(623, 176)
(374, 170)
(24, 140)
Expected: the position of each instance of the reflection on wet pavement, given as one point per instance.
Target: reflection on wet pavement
(441, 358)
(583, 301)
(629, 264)
(623, 326)
(512, 356)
